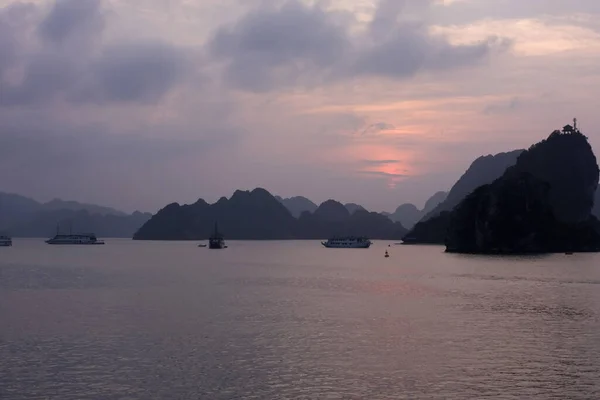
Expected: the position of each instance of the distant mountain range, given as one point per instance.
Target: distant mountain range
(352, 207)
(24, 217)
(258, 215)
(408, 214)
(297, 205)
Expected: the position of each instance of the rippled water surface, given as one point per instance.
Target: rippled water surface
(277, 320)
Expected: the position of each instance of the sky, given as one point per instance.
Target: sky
(137, 104)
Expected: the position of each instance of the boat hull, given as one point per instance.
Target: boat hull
(6, 244)
(216, 244)
(347, 246)
(98, 243)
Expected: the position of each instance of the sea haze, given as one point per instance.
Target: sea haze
(271, 320)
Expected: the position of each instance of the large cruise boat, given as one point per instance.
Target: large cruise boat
(5, 241)
(75, 239)
(216, 240)
(349, 242)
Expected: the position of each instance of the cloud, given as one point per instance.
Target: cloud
(298, 44)
(377, 128)
(383, 174)
(102, 101)
(271, 45)
(141, 72)
(12, 19)
(380, 162)
(464, 12)
(69, 61)
(72, 18)
(503, 107)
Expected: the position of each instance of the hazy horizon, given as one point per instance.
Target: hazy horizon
(210, 200)
(375, 102)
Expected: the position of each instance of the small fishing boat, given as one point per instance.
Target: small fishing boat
(216, 240)
(5, 241)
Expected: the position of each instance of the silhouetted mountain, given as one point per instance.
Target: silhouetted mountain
(258, 215)
(331, 211)
(482, 171)
(432, 231)
(596, 208)
(434, 201)
(23, 217)
(408, 214)
(540, 205)
(15, 208)
(247, 215)
(333, 219)
(566, 161)
(58, 204)
(45, 223)
(297, 205)
(352, 207)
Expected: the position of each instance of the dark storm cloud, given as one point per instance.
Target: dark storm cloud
(274, 47)
(70, 63)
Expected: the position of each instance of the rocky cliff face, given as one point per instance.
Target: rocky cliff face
(566, 161)
(510, 215)
(482, 171)
(540, 205)
(432, 231)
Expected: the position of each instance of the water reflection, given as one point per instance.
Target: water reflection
(292, 320)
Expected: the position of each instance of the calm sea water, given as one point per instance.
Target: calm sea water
(292, 320)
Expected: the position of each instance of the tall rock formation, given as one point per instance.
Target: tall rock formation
(542, 204)
(483, 170)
